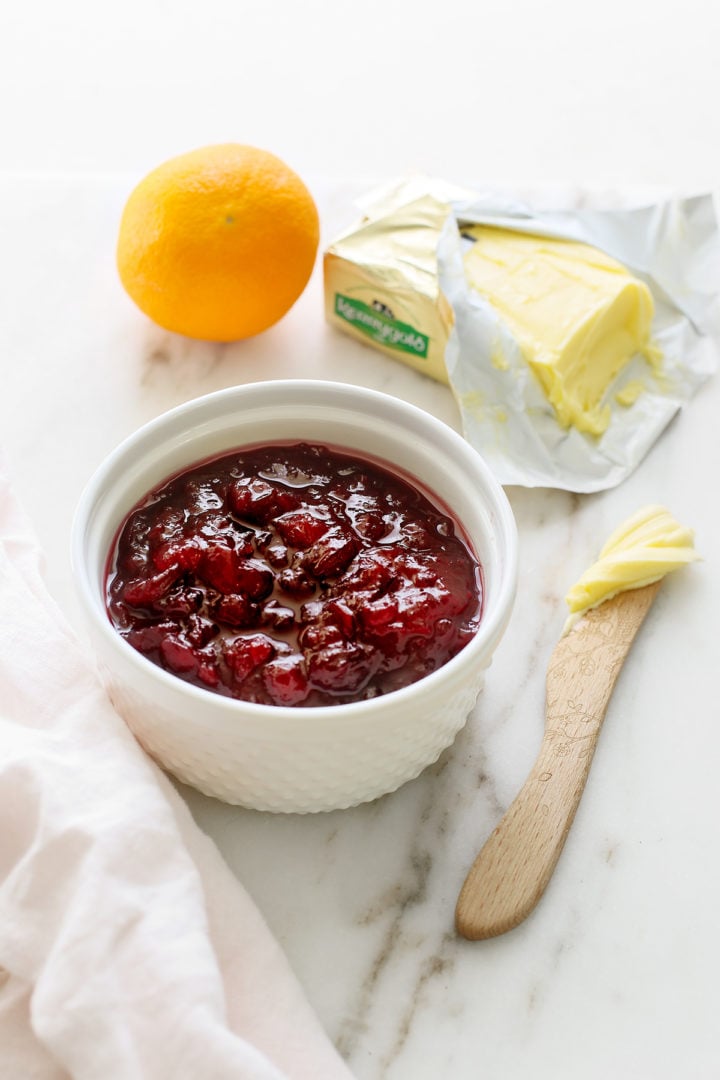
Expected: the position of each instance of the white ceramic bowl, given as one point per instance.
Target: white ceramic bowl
(296, 759)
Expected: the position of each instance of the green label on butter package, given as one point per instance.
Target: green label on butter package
(380, 327)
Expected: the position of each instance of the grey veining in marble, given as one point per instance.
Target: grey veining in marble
(615, 973)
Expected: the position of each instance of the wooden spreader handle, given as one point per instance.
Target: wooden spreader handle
(514, 867)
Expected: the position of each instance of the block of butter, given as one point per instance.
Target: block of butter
(382, 287)
(578, 316)
(569, 337)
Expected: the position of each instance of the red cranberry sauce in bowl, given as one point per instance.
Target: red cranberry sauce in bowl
(293, 575)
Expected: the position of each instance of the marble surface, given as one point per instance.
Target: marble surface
(616, 971)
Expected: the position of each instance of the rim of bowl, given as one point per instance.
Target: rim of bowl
(491, 625)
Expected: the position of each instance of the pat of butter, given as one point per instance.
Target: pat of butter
(642, 550)
(630, 393)
(578, 315)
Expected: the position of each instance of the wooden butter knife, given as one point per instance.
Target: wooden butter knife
(514, 867)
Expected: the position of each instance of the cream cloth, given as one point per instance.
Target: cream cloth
(127, 947)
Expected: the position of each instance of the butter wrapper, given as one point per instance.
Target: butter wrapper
(382, 285)
(398, 281)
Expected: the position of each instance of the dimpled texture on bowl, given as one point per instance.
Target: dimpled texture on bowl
(331, 773)
(302, 759)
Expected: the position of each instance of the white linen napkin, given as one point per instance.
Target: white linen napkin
(127, 947)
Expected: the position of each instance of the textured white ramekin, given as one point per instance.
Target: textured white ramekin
(296, 759)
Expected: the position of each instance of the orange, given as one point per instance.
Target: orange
(218, 243)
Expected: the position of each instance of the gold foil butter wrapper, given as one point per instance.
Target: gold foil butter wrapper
(382, 285)
(397, 282)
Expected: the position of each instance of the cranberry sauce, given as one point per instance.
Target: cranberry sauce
(293, 575)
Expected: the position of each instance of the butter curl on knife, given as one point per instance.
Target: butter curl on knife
(645, 548)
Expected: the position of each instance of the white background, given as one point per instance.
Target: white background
(511, 91)
(616, 973)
